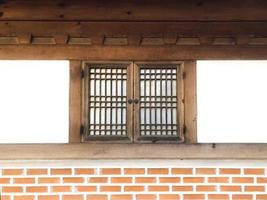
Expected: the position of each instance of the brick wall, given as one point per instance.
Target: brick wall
(138, 181)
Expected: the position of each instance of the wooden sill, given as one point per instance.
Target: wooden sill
(132, 151)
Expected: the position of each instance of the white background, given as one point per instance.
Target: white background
(34, 101)
(232, 101)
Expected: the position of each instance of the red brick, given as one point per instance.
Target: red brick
(231, 188)
(24, 197)
(194, 197)
(4, 180)
(73, 180)
(133, 171)
(98, 180)
(134, 188)
(72, 197)
(24, 180)
(182, 171)
(61, 189)
(121, 197)
(37, 171)
(48, 180)
(184, 188)
(169, 197)
(84, 171)
(12, 189)
(242, 180)
(254, 188)
(146, 197)
(145, 179)
(205, 171)
(205, 188)
(12, 172)
(218, 179)
(169, 180)
(254, 171)
(48, 197)
(158, 171)
(193, 179)
(218, 197)
(35, 189)
(61, 171)
(97, 197)
(111, 171)
(110, 188)
(230, 171)
(121, 180)
(261, 196)
(158, 188)
(242, 197)
(86, 188)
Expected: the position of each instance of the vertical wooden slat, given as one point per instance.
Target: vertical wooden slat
(75, 101)
(190, 102)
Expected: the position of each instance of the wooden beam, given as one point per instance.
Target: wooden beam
(75, 101)
(133, 151)
(126, 53)
(168, 30)
(122, 10)
(190, 101)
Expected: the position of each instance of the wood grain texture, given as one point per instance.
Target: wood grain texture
(134, 53)
(190, 102)
(97, 30)
(145, 10)
(133, 151)
(75, 101)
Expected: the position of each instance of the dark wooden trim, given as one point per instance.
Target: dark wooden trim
(135, 53)
(75, 101)
(122, 10)
(133, 151)
(168, 30)
(190, 102)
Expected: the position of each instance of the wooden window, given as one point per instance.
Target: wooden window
(133, 102)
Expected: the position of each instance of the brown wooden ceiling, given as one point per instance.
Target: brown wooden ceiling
(145, 10)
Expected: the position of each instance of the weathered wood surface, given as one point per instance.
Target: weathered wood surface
(145, 10)
(170, 30)
(126, 53)
(133, 151)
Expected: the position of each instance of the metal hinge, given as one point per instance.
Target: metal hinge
(82, 74)
(184, 75)
(82, 129)
(184, 129)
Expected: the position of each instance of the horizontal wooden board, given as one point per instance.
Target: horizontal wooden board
(145, 10)
(168, 30)
(134, 53)
(133, 151)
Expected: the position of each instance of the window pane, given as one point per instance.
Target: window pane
(232, 101)
(158, 100)
(34, 101)
(107, 100)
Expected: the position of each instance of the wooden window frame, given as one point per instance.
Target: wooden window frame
(133, 81)
(78, 150)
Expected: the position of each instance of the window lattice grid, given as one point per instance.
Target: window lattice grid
(107, 101)
(158, 101)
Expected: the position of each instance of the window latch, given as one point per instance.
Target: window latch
(136, 101)
(130, 101)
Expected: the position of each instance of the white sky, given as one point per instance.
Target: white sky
(34, 101)
(232, 101)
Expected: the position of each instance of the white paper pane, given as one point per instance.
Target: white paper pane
(232, 101)
(34, 101)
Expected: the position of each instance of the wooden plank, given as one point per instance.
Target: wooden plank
(121, 10)
(133, 30)
(133, 151)
(190, 102)
(75, 101)
(134, 53)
